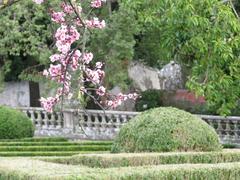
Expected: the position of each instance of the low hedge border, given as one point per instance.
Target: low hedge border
(56, 148)
(45, 153)
(99, 143)
(141, 159)
(34, 169)
(44, 139)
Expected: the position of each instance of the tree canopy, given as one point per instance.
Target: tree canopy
(204, 35)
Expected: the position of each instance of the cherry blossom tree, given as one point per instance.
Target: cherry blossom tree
(72, 57)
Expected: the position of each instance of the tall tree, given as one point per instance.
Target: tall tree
(205, 36)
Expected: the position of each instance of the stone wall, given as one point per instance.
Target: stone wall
(15, 94)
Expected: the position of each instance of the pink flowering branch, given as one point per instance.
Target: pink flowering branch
(74, 25)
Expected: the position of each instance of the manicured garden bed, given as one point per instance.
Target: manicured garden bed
(58, 158)
(142, 159)
(26, 169)
(50, 147)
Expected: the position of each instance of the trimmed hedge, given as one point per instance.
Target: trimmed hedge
(14, 124)
(166, 129)
(55, 148)
(51, 147)
(26, 169)
(136, 159)
(45, 139)
(44, 153)
(99, 143)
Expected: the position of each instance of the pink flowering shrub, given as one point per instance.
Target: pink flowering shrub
(74, 24)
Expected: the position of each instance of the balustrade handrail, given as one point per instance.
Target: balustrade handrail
(83, 111)
(213, 117)
(107, 123)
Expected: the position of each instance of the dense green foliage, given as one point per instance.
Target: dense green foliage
(14, 124)
(149, 99)
(25, 38)
(203, 35)
(166, 129)
(145, 159)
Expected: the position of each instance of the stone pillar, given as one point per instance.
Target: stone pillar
(68, 121)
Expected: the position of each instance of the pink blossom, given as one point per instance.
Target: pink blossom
(65, 36)
(87, 58)
(55, 70)
(75, 60)
(45, 73)
(99, 65)
(55, 57)
(94, 76)
(95, 23)
(48, 103)
(101, 91)
(67, 8)
(58, 17)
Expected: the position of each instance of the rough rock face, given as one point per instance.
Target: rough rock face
(168, 78)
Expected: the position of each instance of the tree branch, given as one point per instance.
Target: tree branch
(6, 3)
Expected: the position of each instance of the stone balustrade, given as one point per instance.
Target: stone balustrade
(98, 124)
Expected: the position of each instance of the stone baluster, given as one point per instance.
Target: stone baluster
(59, 120)
(89, 121)
(228, 129)
(117, 124)
(39, 119)
(26, 113)
(52, 121)
(220, 129)
(109, 120)
(96, 121)
(104, 122)
(236, 130)
(31, 116)
(80, 121)
(124, 119)
(45, 120)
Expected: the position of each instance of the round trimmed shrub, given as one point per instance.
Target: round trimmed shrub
(166, 129)
(14, 124)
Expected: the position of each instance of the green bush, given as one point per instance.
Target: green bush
(149, 99)
(166, 129)
(14, 124)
